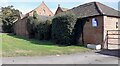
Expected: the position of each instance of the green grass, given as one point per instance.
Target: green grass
(19, 46)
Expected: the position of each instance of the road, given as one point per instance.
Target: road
(80, 58)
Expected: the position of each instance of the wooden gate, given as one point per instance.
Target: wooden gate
(113, 39)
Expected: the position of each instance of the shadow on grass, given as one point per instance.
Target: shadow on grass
(112, 52)
(34, 41)
(40, 42)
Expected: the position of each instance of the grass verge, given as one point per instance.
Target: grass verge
(19, 46)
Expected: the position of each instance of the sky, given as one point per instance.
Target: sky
(26, 6)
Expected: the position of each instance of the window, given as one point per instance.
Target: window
(94, 22)
(116, 24)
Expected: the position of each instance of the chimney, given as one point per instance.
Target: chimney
(42, 1)
(58, 5)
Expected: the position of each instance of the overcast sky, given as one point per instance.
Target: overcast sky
(27, 5)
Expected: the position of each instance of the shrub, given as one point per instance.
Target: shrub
(30, 27)
(32, 24)
(44, 30)
(47, 29)
(62, 28)
(38, 29)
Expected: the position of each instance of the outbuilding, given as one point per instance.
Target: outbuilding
(97, 24)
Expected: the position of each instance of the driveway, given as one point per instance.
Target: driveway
(93, 57)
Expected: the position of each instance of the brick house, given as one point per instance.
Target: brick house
(20, 27)
(42, 10)
(94, 21)
(60, 9)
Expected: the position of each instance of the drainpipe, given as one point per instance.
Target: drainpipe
(102, 45)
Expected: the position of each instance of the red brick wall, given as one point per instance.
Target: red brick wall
(97, 35)
(42, 10)
(93, 35)
(59, 10)
(20, 27)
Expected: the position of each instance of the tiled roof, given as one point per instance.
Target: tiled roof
(93, 9)
(44, 18)
(107, 10)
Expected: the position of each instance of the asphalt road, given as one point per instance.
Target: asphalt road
(80, 58)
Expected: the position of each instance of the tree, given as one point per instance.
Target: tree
(8, 16)
(62, 28)
(36, 18)
(38, 29)
(44, 30)
(47, 29)
(32, 25)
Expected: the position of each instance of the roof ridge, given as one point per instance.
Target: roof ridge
(38, 7)
(107, 6)
(47, 7)
(98, 8)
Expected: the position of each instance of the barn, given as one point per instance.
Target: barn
(97, 24)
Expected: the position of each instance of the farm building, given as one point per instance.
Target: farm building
(97, 24)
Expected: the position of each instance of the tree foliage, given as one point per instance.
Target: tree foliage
(62, 28)
(44, 30)
(38, 29)
(8, 16)
(32, 24)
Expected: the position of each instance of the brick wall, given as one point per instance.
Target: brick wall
(97, 35)
(20, 27)
(42, 10)
(59, 10)
(93, 35)
(110, 24)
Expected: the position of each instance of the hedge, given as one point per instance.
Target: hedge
(62, 28)
(44, 30)
(38, 29)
